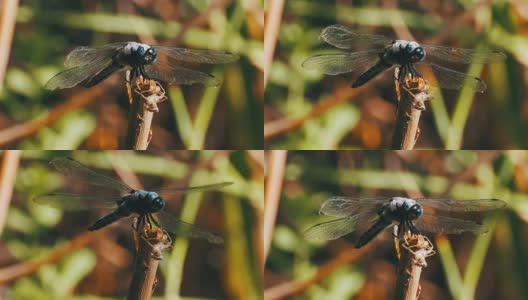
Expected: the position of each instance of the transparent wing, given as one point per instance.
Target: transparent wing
(178, 227)
(70, 167)
(86, 55)
(454, 80)
(463, 56)
(196, 188)
(66, 201)
(197, 56)
(72, 77)
(447, 204)
(343, 37)
(447, 225)
(332, 230)
(179, 75)
(333, 64)
(338, 206)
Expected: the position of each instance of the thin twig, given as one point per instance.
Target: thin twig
(271, 32)
(23, 130)
(289, 289)
(411, 92)
(152, 242)
(143, 106)
(8, 12)
(273, 187)
(276, 128)
(13, 272)
(8, 173)
(414, 249)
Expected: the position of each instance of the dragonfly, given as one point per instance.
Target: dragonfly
(383, 53)
(373, 215)
(125, 202)
(89, 66)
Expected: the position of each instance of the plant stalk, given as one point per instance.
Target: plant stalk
(413, 250)
(411, 92)
(152, 242)
(144, 99)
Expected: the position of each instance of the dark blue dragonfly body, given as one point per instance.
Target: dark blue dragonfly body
(89, 66)
(372, 215)
(383, 54)
(129, 201)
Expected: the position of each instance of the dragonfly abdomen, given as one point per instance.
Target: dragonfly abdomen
(89, 82)
(374, 71)
(117, 214)
(372, 232)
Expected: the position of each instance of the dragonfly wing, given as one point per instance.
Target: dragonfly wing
(178, 227)
(454, 80)
(343, 37)
(462, 205)
(463, 56)
(333, 64)
(66, 201)
(70, 167)
(174, 74)
(338, 206)
(196, 188)
(196, 55)
(447, 225)
(85, 55)
(72, 77)
(332, 230)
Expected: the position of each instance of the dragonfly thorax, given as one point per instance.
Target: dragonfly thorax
(399, 208)
(135, 54)
(404, 52)
(143, 202)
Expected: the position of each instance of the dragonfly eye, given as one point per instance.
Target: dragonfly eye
(418, 54)
(150, 56)
(415, 212)
(158, 204)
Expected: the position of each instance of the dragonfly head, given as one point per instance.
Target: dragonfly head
(155, 202)
(135, 54)
(413, 52)
(146, 56)
(414, 212)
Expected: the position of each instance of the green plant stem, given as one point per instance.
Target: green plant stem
(179, 252)
(203, 118)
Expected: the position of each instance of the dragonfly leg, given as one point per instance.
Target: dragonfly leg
(143, 72)
(151, 219)
(401, 230)
(412, 228)
(414, 72)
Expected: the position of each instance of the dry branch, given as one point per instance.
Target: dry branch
(413, 249)
(411, 92)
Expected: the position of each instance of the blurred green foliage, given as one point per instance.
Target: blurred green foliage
(200, 117)
(192, 267)
(488, 266)
(452, 120)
